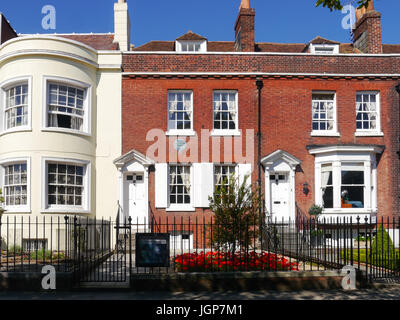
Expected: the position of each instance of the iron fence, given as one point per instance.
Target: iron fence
(105, 250)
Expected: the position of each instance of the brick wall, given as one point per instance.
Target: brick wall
(271, 63)
(286, 124)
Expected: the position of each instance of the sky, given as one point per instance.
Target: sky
(290, 21)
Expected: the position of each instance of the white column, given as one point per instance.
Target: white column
(367, 182)
(121, 192)
(292, 181)
(374, 189)
(317, 191)
(337, 181)
(146, 190)
(267, 191)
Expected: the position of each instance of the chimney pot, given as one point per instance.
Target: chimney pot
(245, 4)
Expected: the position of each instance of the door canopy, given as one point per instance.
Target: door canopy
(280, 161)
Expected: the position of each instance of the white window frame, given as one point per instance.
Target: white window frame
(86, 198)
(334, 131)
(227, 132)
(324, 49)
(339, 156)
(9, 161)
(236, 167)
(181, 132)
(370, 132)
(202, 43)
(87, 104)
(4, 86)
(185, 206)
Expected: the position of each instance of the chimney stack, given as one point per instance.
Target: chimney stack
(244, 28)
(122, 25)
(367, 33)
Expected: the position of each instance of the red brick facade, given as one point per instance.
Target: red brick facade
(286, 105)
(286, 123)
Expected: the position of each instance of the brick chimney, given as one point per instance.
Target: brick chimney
(6, 31)
(122, 25)
(367, 33)
(244, 28)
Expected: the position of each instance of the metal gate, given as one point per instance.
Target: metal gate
(103, 251)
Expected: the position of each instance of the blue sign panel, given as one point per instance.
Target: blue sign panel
(152, 250)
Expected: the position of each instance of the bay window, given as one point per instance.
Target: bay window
(345, 178)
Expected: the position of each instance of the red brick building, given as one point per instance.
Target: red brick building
(329, 123)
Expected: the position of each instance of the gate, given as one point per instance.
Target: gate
(103, 251)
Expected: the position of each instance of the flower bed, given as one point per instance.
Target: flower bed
(225, 261)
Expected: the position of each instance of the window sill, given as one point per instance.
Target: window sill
(21, 129)
(70, 131)
(15, 210)
(223, 133)
(324, 134)
(180, 208)
(65, 210)
(180, 133)
(368, 134)
(348, 211)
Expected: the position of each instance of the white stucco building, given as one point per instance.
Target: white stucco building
(60, 120)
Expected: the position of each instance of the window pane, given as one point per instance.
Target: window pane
(15, 184)
(16, 110)
(59, 116)
(352, 177)
(352, 196)
(65, 184)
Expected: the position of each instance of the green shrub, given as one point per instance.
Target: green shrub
(15, 249)
(315, 210)
(382, 243)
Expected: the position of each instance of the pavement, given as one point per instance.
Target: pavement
(386, 292)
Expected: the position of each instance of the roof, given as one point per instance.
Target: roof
(320, 40)
(96, 41)
(229, 46)
(190, 36)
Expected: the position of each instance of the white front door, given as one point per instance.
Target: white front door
(280, 196)
(136, 197)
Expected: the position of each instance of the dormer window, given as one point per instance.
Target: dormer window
(191, 42)
(191, 46)
(324, 48)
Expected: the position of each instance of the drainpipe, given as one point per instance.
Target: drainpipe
(260, 85)
(398, 152)
(398, 91)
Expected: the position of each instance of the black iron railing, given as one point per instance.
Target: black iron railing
(105, 250)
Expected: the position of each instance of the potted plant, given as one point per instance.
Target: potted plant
(316, 236)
